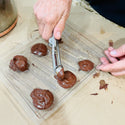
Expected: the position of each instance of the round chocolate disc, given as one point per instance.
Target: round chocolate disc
(42, 99)
(68, 81)
(39, 49)
(86, 65)
(19, 63)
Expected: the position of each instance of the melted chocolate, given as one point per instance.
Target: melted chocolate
(42, 99)
(60, 74)
(97, 74)
(112, 102)
(103, 85)
(33, 64)
(68, 81)
(94, 94)
(110, 43)
(60, 41)
(39, 49)
(19, 63)
(86, 65)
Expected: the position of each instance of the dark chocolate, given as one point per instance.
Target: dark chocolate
(39, 49)
(97, 74)
(33, 64)
(94, 94)
(103, 85)
(110, 43)
(112, 102)
(60, 74)
(60, 41)
(42, 99)
(86, 65)
(68, 81)
(19, 63)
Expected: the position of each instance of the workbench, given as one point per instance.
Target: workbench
(82, 108)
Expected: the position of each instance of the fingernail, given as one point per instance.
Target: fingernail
(110, 48)
(58, 34)
(113, 52)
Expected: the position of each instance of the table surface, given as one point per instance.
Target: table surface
(107, 108)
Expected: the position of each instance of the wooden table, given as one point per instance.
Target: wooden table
(107, 108)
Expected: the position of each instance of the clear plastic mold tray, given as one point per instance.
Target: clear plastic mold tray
(75, 47)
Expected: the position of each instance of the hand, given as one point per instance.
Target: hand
(116, 66)
(51, 16)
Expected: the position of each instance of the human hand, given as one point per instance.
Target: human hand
(115, 64)
(51, 16)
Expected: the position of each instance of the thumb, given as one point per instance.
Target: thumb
(59, 28)
(118, 52)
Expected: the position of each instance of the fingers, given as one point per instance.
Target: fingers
(51, 16)
(61, 24)
(113, 67)
(118, 52)
(47, 33)
(121, 73)
(110, 49)
(46, 26)
(59, 28)
(104, 60)
(117, 59)
(41, 28)
(112, 59)
(36, 6)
